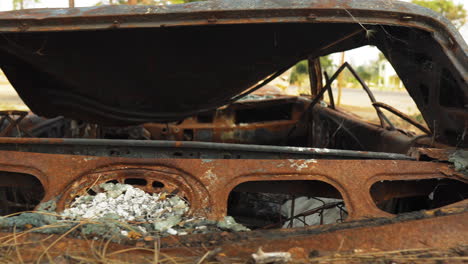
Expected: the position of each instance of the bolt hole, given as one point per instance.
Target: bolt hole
(136, 181)
(157, 184)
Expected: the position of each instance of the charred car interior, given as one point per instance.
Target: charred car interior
(174, 108)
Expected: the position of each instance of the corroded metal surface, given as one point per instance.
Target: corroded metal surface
(215, 12)
(265, 121)
(218, 54)
(425, 50)
(11, 120)
(207, 183)
(421, 230)
(179, 149)
(440, 154)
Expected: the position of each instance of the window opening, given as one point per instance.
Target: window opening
(286, 204)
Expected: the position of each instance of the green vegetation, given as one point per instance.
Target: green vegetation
(327, 64)
(456, 13)
(300, 72)
(369, 72)
(453, 12)
(19, 4)
(145, 2)
(184, 1)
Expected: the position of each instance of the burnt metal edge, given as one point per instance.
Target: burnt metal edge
(364, 12)
(278, 234)
(179, 149)
(218, 11)
(234, 12)
(242, 244)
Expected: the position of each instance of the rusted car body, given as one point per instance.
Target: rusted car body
(178, 62)
(262, 122)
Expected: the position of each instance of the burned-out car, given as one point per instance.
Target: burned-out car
(151, 96)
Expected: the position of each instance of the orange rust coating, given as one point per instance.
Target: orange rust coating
(207, 183)
(219, 132)
(434, 232)
(223, 127)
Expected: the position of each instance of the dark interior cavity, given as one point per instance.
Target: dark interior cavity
(413, 195)
(269, 204)
(19, 192)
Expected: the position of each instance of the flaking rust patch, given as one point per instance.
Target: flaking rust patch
(209, 175)
(299, 165)
(279, 165)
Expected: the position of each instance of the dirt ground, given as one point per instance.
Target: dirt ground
(9, 99)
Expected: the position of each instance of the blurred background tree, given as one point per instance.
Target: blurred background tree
(20, 4)
(300, 72)
(456, 13)
(370, 72)
(143, 2)
(327, 64)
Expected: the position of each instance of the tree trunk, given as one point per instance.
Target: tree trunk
(132, 2)
(21, 4)
(111, 2)
(71, 3)
(340, 80)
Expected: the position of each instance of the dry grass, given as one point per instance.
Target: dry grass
(49, 250)
(434, 255)
(18, 247)
(25, 246)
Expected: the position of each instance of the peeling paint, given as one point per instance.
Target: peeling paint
(210, 175)
(301, 164)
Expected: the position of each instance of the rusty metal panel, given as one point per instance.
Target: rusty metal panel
(207, 183)
(206, 173)
(269, 122)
